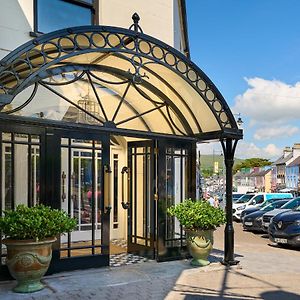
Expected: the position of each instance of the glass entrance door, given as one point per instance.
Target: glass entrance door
(81, 163)
(176, 169)
(141, 210)
(81, 183)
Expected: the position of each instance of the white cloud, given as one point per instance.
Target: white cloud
(243, 150)
(269, 101)
(248, 150)
(275, 132)
(210, 148)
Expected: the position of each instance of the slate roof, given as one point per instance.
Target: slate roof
(295, 162)
(283, 160)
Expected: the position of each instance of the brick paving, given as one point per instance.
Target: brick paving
(265, 272)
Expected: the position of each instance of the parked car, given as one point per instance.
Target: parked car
(253, 221)
(256, 200)
(240, 205)
(254, 208)
(284, 228)
(292, 204)
(236, 196)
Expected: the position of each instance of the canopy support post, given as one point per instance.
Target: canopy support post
(229, 146)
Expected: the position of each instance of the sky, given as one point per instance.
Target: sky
(250, 49)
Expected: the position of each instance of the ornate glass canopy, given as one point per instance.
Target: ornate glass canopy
(113, 77)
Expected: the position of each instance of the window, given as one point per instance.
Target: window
(52, 15)
(258, 199)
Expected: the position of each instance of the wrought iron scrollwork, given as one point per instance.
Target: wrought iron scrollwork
(32, 62)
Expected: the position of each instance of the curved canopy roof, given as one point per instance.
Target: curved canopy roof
(113, 77)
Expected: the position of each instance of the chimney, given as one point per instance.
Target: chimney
(287, 151)
(296, 150)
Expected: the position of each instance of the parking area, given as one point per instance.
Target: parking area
(257, 253)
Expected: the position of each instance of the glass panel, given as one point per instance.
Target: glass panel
(85, 190)
(6, 136)
(176, 191)
(64, 141)
(133, 196)
(35, 139)
(7, 192)
(140, 198)
(57, 14)
(170, 197)
(21, 174)
(149, 197)
(21, 137)
(78, 185)
(21, 171)
(116, 187)
(35, 174)
(98, 188)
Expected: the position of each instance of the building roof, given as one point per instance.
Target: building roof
(263, 173)
(295, 162)
(283, 160)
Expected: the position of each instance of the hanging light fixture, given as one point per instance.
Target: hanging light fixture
(87, 104)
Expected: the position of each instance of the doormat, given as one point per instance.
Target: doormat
(123, 259)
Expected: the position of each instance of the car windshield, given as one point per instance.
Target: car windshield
(236, 196)
(292, 204)
(264, 204)
(273, 205)
(297, 208)
(245, 198)
(268, 206)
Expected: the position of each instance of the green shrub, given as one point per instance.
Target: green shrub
(195, 215)
(35, 223)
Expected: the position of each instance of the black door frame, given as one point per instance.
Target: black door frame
(149, 193)
(164, 252)
(53, 177)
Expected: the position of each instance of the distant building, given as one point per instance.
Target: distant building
(280, 165)
(292, 175)
(286, 170)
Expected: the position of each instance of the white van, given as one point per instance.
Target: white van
(255, 199)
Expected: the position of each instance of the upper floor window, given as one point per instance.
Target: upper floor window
(52, 15)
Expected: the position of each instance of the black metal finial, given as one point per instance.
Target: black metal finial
(135, 18)
(136, 27)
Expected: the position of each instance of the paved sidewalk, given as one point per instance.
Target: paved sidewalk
(265, 272)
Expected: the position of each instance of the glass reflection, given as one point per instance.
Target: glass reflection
(58, 14)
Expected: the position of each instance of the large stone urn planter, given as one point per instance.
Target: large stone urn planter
(200, 244)
(28, 261)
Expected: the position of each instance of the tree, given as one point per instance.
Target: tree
(251, 163)
(206, 172)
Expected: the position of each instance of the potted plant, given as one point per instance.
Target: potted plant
(29, 233)
(199, 220)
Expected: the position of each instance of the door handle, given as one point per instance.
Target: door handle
(63, 193)
(107, 182)
(124, 170)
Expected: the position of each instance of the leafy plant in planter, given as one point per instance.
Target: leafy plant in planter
(199, 220)
(29, 233)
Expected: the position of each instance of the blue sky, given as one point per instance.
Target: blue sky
(251, 50)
